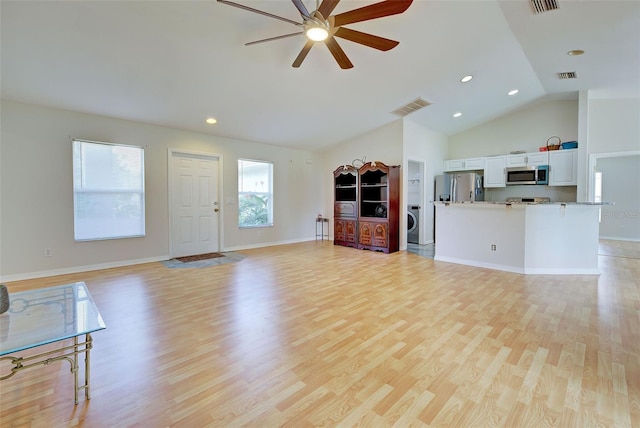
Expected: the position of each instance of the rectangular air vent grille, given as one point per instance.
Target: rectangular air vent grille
(409, 108)
(567, 75)
(541, 6)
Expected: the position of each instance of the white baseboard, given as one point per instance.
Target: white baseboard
(617, 238)
(473, 263)
(267, 244)
(580, 271)
(521, 270)
(87, 268)
(76, 269)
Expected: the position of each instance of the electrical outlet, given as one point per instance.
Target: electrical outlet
(48, 252)
(493, 247)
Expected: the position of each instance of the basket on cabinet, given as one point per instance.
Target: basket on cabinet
(550, 146)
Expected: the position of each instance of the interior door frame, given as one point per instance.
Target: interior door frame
(170, 170)
(593, 160)
(421, 220)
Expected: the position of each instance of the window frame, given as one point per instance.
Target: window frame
(269, 194)
(106, 191)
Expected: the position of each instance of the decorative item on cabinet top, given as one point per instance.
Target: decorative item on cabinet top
(558, 145)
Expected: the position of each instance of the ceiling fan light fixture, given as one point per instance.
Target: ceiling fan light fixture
(317, 34)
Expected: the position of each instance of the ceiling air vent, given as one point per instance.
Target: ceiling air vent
(409, 108)
(567, 75)
(541, 6)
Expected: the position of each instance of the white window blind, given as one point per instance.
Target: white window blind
(108, 191)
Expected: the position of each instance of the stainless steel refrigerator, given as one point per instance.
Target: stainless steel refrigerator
(463, 187)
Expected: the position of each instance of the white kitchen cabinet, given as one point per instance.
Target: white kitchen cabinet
(538, 158)
(563, 167)
(514, 160)
(454, 165)
(469, 164)
(494, 169)
(527, 159)
(473, 164)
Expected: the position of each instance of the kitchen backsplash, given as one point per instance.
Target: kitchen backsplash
(555, 193)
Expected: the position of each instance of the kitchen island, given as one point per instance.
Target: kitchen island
(528, 238)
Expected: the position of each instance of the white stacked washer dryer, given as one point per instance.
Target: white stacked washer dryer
(413, 224)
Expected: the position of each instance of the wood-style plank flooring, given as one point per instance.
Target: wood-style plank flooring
(312, 334)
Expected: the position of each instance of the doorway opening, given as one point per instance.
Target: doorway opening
(415, 202)
(614, 177)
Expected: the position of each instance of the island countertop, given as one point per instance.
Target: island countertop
(522, 237)
(521, 203)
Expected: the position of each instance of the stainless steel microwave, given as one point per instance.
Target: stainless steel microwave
(528, 175)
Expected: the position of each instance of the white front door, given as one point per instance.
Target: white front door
(194, 203)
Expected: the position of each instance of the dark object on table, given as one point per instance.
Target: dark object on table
(4, 299)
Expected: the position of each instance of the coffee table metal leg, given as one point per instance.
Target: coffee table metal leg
(87, 370)
(74, 369)
(69, 353)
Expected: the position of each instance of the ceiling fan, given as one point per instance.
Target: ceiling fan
(320, 25)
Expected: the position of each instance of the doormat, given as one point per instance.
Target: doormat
(200, 261)
(198, 257)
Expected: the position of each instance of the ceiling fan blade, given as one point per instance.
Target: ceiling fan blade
(303, 54)
(250, 9)
(301, 8)
(284, 36)
(327, 6)
(370, 40)
(374, 11)
(338, 53)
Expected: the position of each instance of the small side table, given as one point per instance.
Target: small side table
(322, 221)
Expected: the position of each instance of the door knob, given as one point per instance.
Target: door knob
(216, 210)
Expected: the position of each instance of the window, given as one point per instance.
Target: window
(108, 191)
(597, 192)
(255, 193)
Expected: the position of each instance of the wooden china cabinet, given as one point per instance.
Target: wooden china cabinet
(379, 207)
(345, 207)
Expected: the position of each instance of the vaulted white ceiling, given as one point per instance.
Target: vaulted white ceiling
(175, 63)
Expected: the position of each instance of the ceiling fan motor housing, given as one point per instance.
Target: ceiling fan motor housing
(316, 27)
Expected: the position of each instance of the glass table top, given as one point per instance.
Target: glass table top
(47, 315)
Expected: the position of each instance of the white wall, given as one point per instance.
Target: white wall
(465, 233)
(37, 198)
(527, 129)
(383, 144)
(614, 130)
(554, 193)
(614, 125)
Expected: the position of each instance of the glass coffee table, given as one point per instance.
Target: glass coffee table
(49, 316)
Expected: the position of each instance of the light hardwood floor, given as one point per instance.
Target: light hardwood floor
(316, 335)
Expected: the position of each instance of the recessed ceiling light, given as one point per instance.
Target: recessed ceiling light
(466, 78)
(513, 92)
(575, 52)
(458, 114)
(211, 121)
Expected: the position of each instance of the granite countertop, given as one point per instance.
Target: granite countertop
(523, 203)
